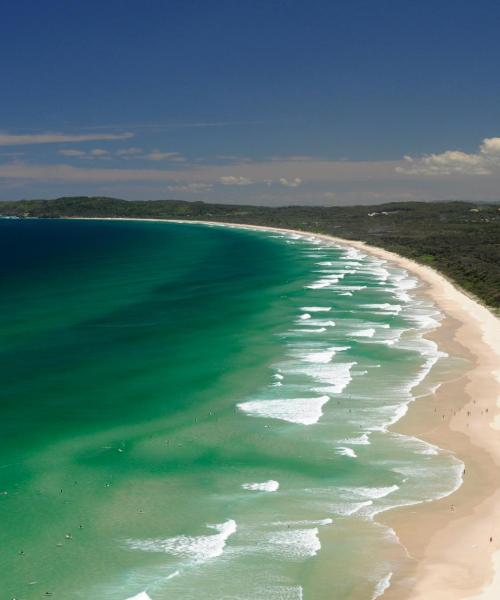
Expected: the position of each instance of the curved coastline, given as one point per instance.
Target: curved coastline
(454, 541)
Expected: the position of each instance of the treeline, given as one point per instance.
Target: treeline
(461, 239)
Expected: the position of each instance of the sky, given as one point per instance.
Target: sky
(270, 102)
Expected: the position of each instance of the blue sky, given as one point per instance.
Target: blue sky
(271, 102)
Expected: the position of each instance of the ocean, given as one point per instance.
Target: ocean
(192, 411)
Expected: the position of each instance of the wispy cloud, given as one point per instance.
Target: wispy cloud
(453, 162)
(11, 154)
(195, 188)
(233, 180)
(213, 124)
(95, 153)
(133, 151)
(247, 174)
(323, 182)
(474, 175)
(179, 125)
(293, 158)
(9, 139)
(293, 183)
(157, 155)
(72, 153)
(69, 173)
(232, 158)
(99, 152)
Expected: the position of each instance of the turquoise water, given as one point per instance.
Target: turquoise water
(191, 411)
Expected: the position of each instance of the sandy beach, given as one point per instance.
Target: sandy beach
(453, 543)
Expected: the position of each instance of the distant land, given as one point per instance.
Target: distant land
(460, 239)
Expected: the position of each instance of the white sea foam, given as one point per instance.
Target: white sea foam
(172, 575)
(373, 493)
(363, 333)
(352, 263)
(351, 253)
(451, 478)
(325, 356)
(279, 592)
(264, 486)
(320, 284)
(141, 596)
(302, 523)
(310, 330)
(332, 274)
(294, 543)
(430, 450)
(316, 308)
(349, 508)
(320, 323)
(427, 349)
(425, 320)
(305, 411)
(418, 445)
(344, 451)
(381, 586)
(305, 316)
(350, 288)
(278, 376)
(374, 269)
(385, 308)
(196, 548)
(335, 376)
(404, 283)
(361, 440)
(388, 415)
(320, 357)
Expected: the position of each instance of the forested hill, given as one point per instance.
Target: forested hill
(460, 239)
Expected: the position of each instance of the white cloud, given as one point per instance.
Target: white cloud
(72, 153)
(89, 155)
(124, 153)
(158, 155)
(452, 162)
(98, 152)
(233, 158)
(195, 188)
(232, 180)
(491, 146)
(293, 183)
(7, 139)
(351, 182)
(328, 181)
(132, 151)
(293, 158)
(322, 172)
(154, 155)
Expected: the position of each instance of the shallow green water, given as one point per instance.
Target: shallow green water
(179, 418)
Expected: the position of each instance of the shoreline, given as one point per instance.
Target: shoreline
(455, 550)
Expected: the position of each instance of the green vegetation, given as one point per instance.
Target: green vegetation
(461, 239)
